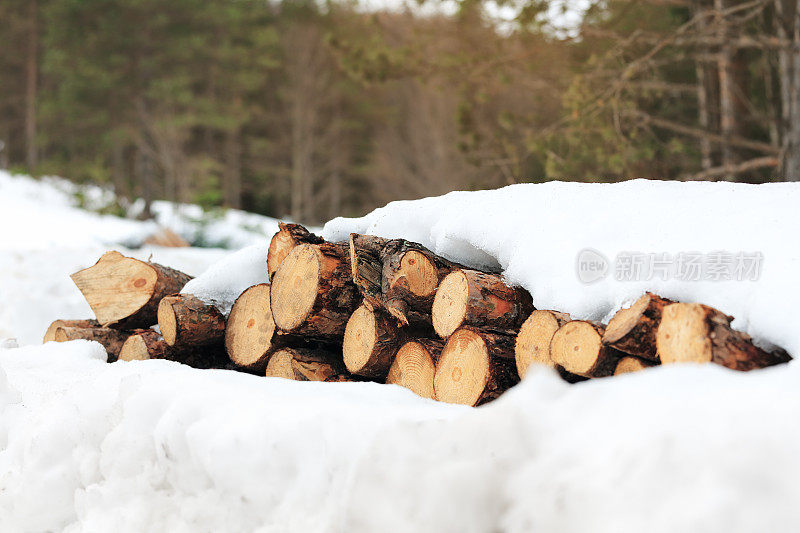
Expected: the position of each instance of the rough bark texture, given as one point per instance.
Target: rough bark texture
(472, 298)
(185, 320)
(284, 241)
(50, 334)
(313, 294)
(633, 330)
(698, 333)
(533, 341)
(577, 347)
(149, 344)
(367, 267)
(414, 366)
(371, 341)
(305, 365)
(124, 292)
(474, 368)
(111, 339)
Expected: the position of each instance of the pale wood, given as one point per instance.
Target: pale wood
(414, 366)
(50, 334)
(533, 340)
(633, 330)
(630, 364)
(300, 364)
(370, 343)
(577, 347)
(284, 241)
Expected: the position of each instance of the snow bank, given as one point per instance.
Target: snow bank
(535, 232)
(156, 446)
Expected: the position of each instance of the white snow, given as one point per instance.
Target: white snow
(87, 446)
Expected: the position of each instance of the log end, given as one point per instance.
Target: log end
(625, 319)
(280, 365)
(250, 329)
(533, 341)
(450, 303)
(360, 337)
(683, 335)
(134, 349)
(295, 286)
(418, 272)
(577, 347)
(413, 368)
(463, 370)
(167, 321)
(630, 364)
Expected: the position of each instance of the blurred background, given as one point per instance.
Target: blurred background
(310, 110)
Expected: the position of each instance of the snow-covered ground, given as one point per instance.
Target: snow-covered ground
(156, 446)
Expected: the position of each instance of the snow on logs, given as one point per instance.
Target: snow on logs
(391, 311)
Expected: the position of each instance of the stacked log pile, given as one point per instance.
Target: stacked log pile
(388, 311)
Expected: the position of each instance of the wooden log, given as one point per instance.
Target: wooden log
(111, 339)
(312, 293)
(633, 330)
(50, 334)
(471, 298)
(577, 346)
(185, 320)
(533, 340)
(366, 264)
(630, 363)
(250, 334)
(475, 367)
(696, 333)
(124, 292)
(411, 274)
(284, 241)
(304, 365)
(149, 344)
(371, 341)
(414, 366)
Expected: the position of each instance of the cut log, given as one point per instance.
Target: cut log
(474, 367)
(250, 335)
(371, 341)
(414, 366)
(124, 292)
(411, 274)
(185, 320)
(533, 340)
(304, 365)
(631, 364)
(50, 334)
(284, 241)
(366, 264)
(633, 330)
(345, 378)
(111, 339)
(148, 344)
(312, 293)
(577, 346)
(696, 333)
(471, 298)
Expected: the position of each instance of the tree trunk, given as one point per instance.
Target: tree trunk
(577, 346)
(793, 149)
(111, 339)
(31, 85)
(701, 69)
(371, 341)
(284, 241)
(533, 340)
(475, 367)
(696, 333)
(304, 365)
(414, 366)
(633, 330)
(470, 297)
(727, 112)
(367, 267)
(148, 344)
(50, 334)
(185, 320)
(233, 169)
(124, 292)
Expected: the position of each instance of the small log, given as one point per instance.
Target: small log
(312, 293)
(149, 344)
(475, 367)
(346, 378)
(366, 264)
(630, 363)
(186, 320)
(533, 340)
(304, 365)
(124, 292)
(284, 241)
(371, 341)
(411, 274)
(633, 330)
(50, 334)
(696, 333)
(577, 346)
(111, 339)
(414, 366)
(471, 298)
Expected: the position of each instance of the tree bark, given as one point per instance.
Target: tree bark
(148, 344)
(633, 330)
(367, 267)
(185, 320)
(371, 341)
(727, 111)
(300, 364)
(577, 346)
(50, 334)
(111, 339)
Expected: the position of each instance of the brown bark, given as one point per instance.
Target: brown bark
(284, 241)
(630, 364)
(111, 339)
(469, 297)
(124, 292)
(31, 85)
(474, 368)
(697, 333)
(633, 330)
(367, 267)
(414, 366)
(533, 340)
(312, 293)
(727, 114)
(149, 344)
(304, 365)
(185, 320)
(371, 341)
(50, 334)
(577, 346)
